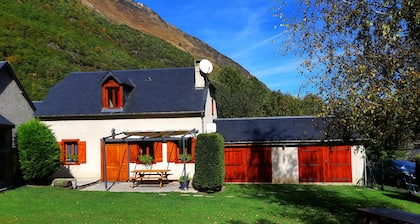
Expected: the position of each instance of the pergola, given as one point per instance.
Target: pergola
(145, 136)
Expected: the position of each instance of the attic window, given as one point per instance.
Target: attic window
(112, 95)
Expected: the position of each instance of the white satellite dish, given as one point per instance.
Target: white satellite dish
(206, 66)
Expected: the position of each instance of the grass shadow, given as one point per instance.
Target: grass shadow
(318, 204)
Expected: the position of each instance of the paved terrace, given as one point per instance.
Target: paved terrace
(172, 186)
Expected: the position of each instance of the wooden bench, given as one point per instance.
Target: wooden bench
(140, 175)
(385, 216)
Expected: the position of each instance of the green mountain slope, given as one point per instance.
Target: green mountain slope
(45, 40)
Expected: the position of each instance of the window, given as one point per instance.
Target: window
(73, 152)
(153, 149)
(112, 95)
(175, 151)
(113, 100)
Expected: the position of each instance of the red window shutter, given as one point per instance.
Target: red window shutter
(134, 153)
(62, 152)
(157, 151)
(193, 142)
(82, 152)
(120, 97)
(172, 152)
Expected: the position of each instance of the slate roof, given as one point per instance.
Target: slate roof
(4, 65)
(151, 91)
(5, 123)
(282, 130)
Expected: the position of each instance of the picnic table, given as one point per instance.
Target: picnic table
(140, 175)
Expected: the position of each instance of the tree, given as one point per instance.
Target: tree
(39, 153)
(238, 96)
(365, 56)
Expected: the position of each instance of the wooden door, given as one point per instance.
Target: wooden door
(235, 161)
(249, 164)
(310, 164)
(339, 164)
(116, 162)
(325, 164)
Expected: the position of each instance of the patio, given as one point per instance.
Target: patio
(172, 186)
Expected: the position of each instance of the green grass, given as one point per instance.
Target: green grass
(235, 204)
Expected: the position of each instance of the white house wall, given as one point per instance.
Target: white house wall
(285, 169)
(92, 131)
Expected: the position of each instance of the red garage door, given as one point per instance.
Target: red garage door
(248, 164)
(325, 164)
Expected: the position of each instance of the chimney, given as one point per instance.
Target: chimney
(199, 76)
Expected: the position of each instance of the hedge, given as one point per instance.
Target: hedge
(209, 163)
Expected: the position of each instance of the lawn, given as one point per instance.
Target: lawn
(236, 204)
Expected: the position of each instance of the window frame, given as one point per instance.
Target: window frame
(111, 89)
(81, 151)
(153, 149)
(189, 146)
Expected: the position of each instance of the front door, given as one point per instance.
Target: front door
(116, 162)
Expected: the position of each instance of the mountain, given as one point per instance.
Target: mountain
(140, 17)
(45, 40)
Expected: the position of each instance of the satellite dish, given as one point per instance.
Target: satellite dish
(206, 66)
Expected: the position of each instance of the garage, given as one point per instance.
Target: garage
(288, 150)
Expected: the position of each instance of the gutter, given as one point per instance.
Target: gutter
(181, 114)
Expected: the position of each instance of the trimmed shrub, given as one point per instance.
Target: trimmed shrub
(209, 163)
(38, 151)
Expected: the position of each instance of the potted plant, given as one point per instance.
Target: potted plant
(184, 181)
(186, 157)
(147, 160)
(72, 158)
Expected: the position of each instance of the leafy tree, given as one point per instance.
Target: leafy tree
(365, 56)
(237, 96)
(39, 153)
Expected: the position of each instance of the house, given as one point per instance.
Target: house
(104, 120)
(288, 150)
(15, 108)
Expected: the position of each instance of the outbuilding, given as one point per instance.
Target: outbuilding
(288, 150)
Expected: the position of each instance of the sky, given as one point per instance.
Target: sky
(243, 30)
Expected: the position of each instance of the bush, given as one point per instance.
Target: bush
(39, 153)
(209, 163)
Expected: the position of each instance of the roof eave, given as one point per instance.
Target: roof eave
(293, 142)
(179, 114)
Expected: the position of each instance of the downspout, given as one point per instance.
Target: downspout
(129, 158)
(104, 163)
(202, 123)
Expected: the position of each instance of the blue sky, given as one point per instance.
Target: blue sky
(243, 30)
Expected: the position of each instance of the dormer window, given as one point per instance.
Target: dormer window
(112, 95)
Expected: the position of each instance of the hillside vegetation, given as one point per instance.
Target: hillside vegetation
(45, 40)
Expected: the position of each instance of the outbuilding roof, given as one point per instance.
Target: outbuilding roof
(6, 123)
(273, 130)
(150, 91)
